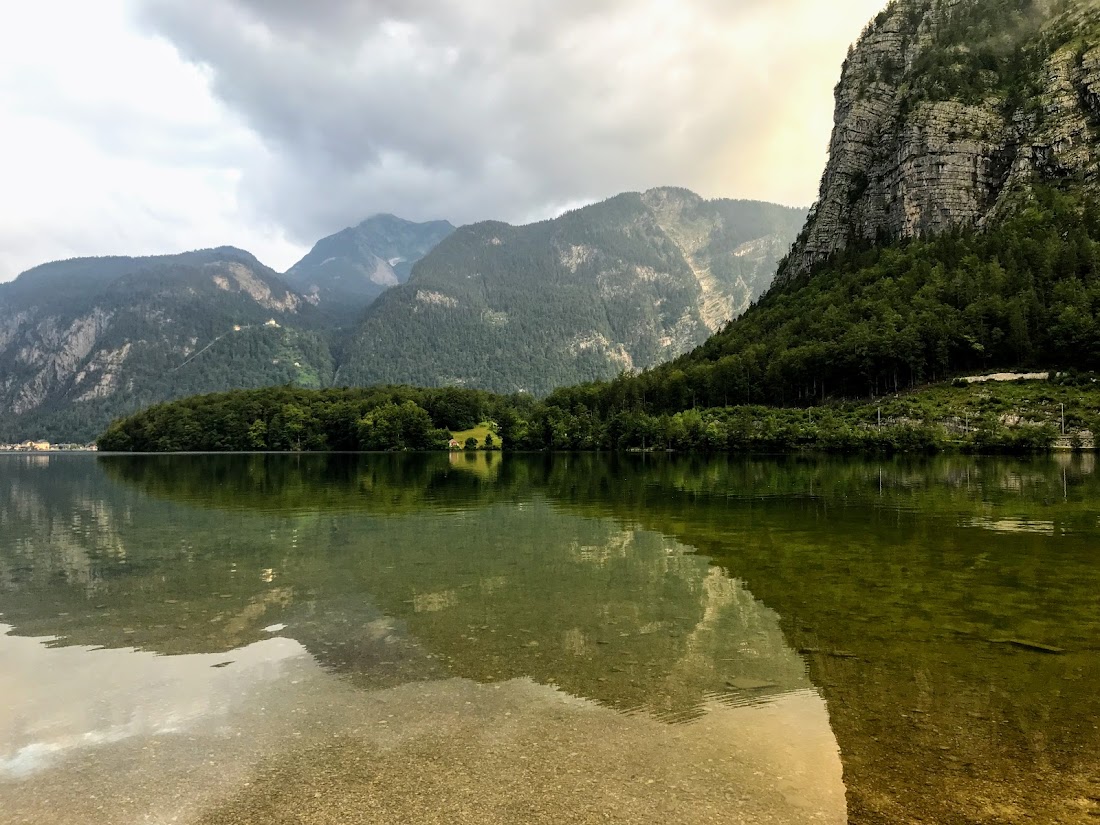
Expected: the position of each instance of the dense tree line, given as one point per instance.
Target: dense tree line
(408, 419)
(295, 419)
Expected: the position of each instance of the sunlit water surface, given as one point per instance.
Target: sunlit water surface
(486, 638)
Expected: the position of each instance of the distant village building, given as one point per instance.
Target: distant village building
(46, 447)
(32, 447)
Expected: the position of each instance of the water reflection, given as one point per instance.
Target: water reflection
(623, 616)
(135, 696)
(945, 609)
(400, 586)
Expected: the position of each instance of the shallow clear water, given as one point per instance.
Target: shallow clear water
(486, 638)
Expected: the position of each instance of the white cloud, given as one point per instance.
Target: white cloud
(113, 144)
(278, 121)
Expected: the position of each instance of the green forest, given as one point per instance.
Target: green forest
(1021, 417)
(832, 361)
(294, 419)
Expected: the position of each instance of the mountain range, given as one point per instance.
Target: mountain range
(957, 229)
(619, 285)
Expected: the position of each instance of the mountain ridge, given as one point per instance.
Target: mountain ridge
(85, 340)
(617, 285)
(348, 270)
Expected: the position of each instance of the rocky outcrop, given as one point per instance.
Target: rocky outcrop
(102, 375)
(946, 111)
(52, 352)
(236, 277)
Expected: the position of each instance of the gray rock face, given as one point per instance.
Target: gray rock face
(52, 352)
(942, 121)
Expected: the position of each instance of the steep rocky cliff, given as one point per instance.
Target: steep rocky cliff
(947, 110)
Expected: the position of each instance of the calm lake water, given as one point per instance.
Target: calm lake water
(522, 639)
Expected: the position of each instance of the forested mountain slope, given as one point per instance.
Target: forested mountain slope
(911, 268)
(85, 340)
(620, 285)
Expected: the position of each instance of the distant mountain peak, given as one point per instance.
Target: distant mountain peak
(351, 268)
(388, 218)
(671, 192)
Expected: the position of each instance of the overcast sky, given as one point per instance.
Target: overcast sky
(144, 126)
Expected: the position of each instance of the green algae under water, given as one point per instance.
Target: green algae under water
(487, 638)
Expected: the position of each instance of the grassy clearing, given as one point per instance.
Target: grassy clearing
(1018, 417)
(479, 432)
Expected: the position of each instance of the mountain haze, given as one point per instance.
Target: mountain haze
(620, 285)
(350, 269)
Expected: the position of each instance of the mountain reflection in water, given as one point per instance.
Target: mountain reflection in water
(563, 638)
(507, 654)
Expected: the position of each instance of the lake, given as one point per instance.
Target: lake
(548, 639)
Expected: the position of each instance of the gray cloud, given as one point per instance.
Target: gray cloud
(470, 109)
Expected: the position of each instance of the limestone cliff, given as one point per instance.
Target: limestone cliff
(947, 110)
